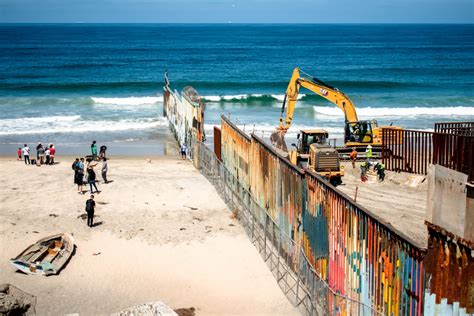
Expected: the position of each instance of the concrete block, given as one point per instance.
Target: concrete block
(450, 201)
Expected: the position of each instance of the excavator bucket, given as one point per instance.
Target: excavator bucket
(277, 139)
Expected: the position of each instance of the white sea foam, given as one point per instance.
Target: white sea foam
(267, 129)
(128, 100)
(74, 124)
(243, 97)
(370, 112)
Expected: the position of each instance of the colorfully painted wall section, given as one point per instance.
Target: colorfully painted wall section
(365, 261)
(360, 256)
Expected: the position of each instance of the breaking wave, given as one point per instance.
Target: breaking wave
(74, 124)
(397, 112)
(128, 100)
(253, 98)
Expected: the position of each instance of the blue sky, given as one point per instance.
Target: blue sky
(237, 11)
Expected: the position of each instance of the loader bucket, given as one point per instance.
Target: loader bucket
(277, 139)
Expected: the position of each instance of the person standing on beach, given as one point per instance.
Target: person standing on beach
(47, 154)
(52, 151)
(38, 151)
(91, 177)
(105, 168)
(103, 148)
(18, 152)
(183, 151)
(74, 167)
(26, 154)
(41, 155)
(90, 209)
(353, 157)
(94, 150)
(79, 176)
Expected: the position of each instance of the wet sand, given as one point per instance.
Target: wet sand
(163, 234)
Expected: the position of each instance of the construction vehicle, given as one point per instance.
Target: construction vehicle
(357, 133)
(299, 156)
(312, 151)
(324, 160)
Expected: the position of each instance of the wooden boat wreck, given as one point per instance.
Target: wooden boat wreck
(47, 256)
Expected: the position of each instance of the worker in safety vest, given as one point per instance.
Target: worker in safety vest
(363, 171)
(353, 157)
(368, 154)
(380, 167)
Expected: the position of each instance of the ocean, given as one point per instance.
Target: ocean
(69, 84)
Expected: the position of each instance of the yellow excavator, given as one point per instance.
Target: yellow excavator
(357, 133)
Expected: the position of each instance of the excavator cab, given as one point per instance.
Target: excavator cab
(299, 156)
(310, 136)
(359, 132)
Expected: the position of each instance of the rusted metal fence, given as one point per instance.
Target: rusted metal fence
(407, 150)
(217, 143)
(285, 257)
(413, 151)
(454, 151)
(457, 128)
(450, 274)
(329, 255)
(265, 234)
(235, 151)
(360, 257)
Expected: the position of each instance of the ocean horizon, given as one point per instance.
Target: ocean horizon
(70, 85)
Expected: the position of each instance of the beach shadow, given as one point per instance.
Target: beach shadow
(97, 224)
(109, 181)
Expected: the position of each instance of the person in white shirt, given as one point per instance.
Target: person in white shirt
(183, 151)
(26, 154)
(47, 154)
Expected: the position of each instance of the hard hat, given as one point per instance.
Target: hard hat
(370, 146)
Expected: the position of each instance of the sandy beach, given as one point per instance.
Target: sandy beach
(400, 200)
(162, 234)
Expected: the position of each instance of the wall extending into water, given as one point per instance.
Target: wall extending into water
(185, 113)
(331, 255)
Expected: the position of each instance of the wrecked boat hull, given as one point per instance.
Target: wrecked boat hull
(45, 257)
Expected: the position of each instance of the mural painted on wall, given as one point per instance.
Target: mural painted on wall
(185, 113)
(278, 187)
(235, 150)
(360, 257)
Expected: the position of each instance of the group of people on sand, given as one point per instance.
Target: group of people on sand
(379, 167)
(84, 172)
(44, 154)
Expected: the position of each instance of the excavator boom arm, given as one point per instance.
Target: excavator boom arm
(331, 94)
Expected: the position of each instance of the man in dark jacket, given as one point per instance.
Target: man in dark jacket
(90, 208)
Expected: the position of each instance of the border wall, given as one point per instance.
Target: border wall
(458, 128)
(185, 112)
(413, 151)
(329, 255)
(365, 265)
(450, 274)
